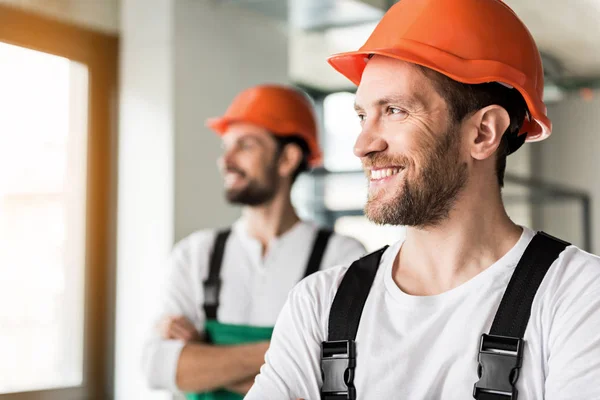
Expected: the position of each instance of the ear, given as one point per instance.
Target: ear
(489, 125)
(289, 159)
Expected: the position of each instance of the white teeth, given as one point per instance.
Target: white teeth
(384, 173)
(231, 178)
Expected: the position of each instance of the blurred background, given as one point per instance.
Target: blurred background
(105, 161)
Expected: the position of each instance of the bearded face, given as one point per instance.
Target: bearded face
(249, 165)
(423, 198)
(409, 146)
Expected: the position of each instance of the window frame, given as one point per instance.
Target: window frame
(99, 53)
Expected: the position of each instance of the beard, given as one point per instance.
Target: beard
(426, 200)
(256, 192)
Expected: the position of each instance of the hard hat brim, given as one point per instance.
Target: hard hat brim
(220, 124)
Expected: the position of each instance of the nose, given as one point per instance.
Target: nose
(369, 141)
(225, 159)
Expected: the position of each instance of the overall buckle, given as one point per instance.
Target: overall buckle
(338, 361)
(500, 359)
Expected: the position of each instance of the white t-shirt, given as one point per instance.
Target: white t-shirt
(254, 288)
(426, 347)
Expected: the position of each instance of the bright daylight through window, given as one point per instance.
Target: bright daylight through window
(43, 147)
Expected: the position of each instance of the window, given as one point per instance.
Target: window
(57, 215)
(341, 130)
(43, 140)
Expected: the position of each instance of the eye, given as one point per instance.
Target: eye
(397, 111)
(245, 144)
(361, 117)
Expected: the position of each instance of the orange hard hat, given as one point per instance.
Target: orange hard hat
(282, 110)
(470, 41)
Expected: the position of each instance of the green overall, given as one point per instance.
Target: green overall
(229, 334)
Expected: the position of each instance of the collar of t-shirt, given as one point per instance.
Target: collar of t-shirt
(505, 264)
(301, 232)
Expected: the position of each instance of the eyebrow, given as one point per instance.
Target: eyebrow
(242, 139)
(251, 139)
(410, 102)
(248, 138)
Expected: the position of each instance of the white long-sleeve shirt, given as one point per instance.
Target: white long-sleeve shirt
(254, 287)
(426, 347)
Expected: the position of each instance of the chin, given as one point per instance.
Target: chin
(382, 197)
(232, 195)
(235, 190)
(378, 211)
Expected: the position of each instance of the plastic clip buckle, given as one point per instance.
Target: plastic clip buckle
(500, 360)
(211, 292)
(338, 360)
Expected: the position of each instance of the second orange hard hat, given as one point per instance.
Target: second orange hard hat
(282, 110)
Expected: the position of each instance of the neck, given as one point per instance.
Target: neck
(477, 233)
(272, 219)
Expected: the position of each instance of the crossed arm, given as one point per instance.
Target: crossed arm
(204, 367)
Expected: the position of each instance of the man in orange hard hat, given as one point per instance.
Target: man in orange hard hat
(224, 289)
(469, 304)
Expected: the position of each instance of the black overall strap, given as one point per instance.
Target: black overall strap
(212, 285)
(501, 352)
(318, 250)
(338, 353)
(349, 301)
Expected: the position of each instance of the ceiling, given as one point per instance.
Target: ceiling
(568, 30)
(315, 15)
(567, 33)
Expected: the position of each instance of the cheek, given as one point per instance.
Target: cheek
(257, 164)
(242, 162)
(407, 144)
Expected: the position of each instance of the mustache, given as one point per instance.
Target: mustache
(234, 170)
(377, 160)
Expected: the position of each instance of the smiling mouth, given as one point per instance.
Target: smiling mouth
(233, 178)
(382, 173)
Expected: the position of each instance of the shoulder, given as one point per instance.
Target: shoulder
(314, 294)
(321, 283)
(344, 241)
(201, 238)
(320, 288)
(342, 249)
(194, 249)
(569, 318)
(570, 290)
(575, 272)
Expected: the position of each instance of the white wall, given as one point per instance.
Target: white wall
(101, 15)
(146, 181)
(220, 49)
(571, 157)
(181, 62)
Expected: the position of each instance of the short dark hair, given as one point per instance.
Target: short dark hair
(465, 99)
(283, 141)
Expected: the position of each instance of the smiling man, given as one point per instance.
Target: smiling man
(469, 304)
(224, 289)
